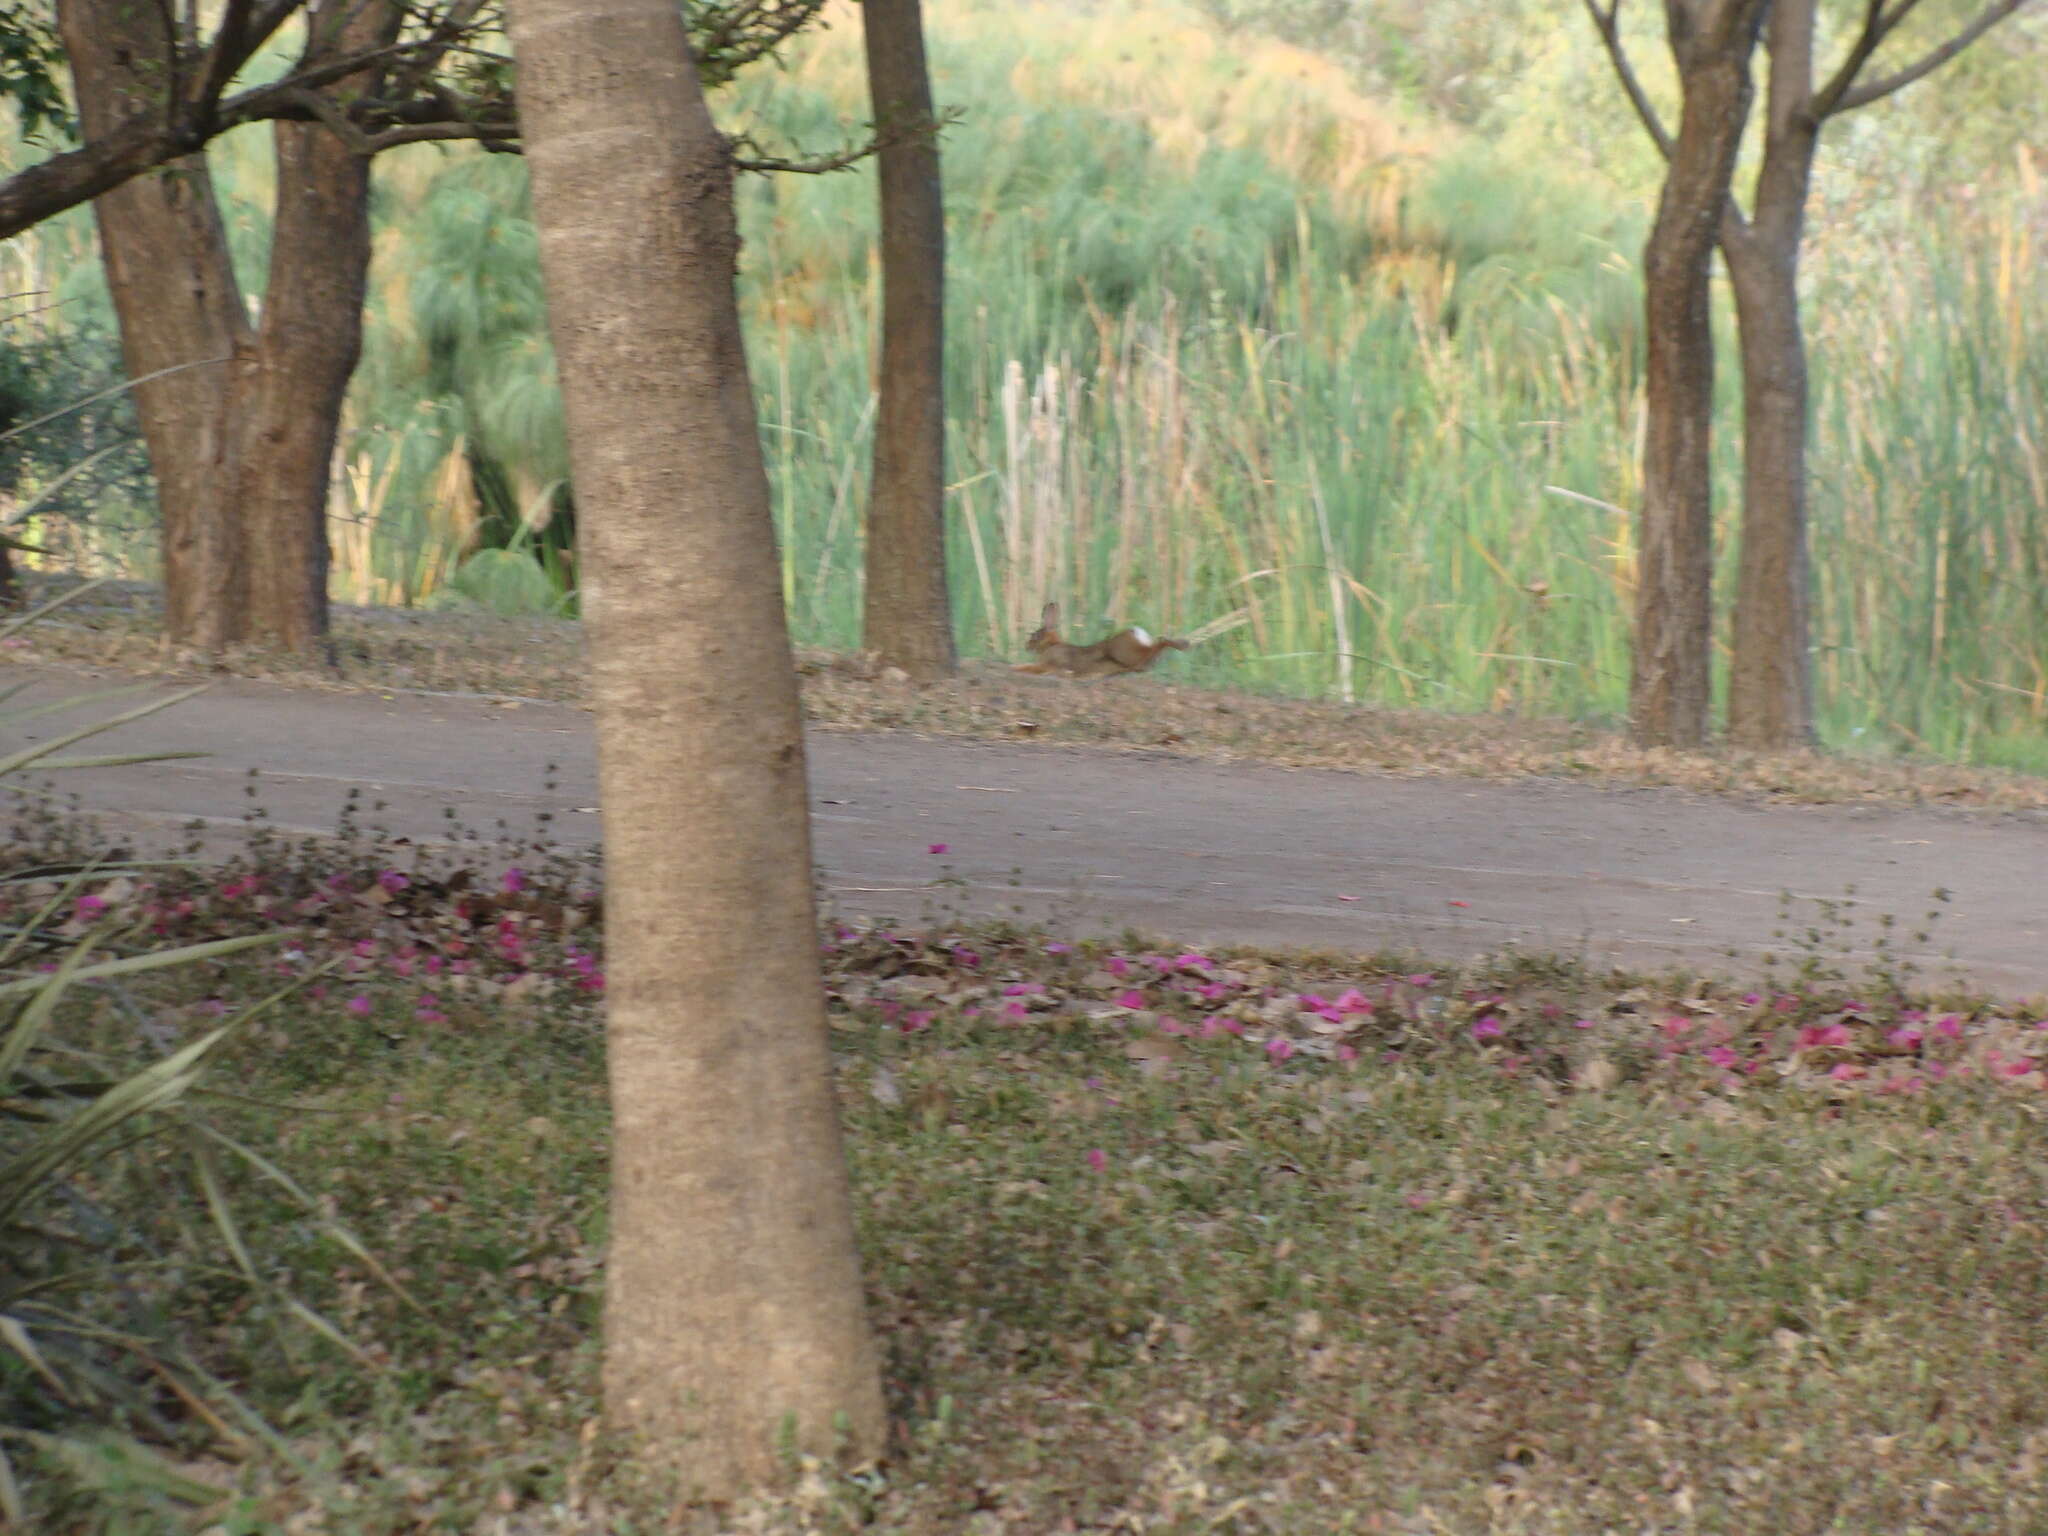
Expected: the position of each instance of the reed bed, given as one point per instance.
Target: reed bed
(1235, 350)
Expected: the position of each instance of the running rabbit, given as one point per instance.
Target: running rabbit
(1128, 650)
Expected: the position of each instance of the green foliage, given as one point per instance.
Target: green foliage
(32, 73)
(107, 1175)
(67, 461)
(1232, 343)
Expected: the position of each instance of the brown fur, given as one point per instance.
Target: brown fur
(1128, 650)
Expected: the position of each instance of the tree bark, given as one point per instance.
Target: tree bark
(1670, 685)
(177, 302)
(907, 616)
(1770, 682)
(733, 1313)
(240, 452)
(291, 383)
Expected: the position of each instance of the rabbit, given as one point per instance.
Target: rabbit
(1128, 650)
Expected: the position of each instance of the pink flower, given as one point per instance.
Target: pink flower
(1279, 1050)
(913, 1022)
(1116, 965)
(1193, 962)
(88, 906)
(1015, 1010)
(515, 881)
(1421, 979)
(1354, 1001)
(1582, 1023)
(358, 1005)
(1905, 1039)
(1823, 1035)
(1059, 949)
(1023, 988)
(939, 848)
(1487, 1028)
(1722, 1057)
(393, 881)
(1675, 1027)
(1949, 1025)
(1130, 997)
(1097, 1159)
(1845, 1071)
(1347, 1053)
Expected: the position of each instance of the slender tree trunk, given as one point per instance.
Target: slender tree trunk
(907, 619)
(291, 384)
(177, 303)
(1670, 686)
(733, 1310)
(1770, 683)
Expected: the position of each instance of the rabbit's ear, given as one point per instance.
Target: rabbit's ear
(1050, 619)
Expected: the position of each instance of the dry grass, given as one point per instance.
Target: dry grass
(542, 659)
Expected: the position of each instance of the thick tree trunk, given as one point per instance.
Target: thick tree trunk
(907, 618)
(734, 1317)
(177, 303)
(290, 385)
(1770, 682)
(1670, 687)
(240, 452)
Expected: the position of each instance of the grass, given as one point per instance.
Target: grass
(1232, 341)
(471, 652)
(1154, 1240)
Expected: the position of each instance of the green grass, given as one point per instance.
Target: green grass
(1190, 1243)
(1228, 337)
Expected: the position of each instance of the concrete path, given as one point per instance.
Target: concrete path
(1095, 841)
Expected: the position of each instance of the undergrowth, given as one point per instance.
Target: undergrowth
(1155, 1239)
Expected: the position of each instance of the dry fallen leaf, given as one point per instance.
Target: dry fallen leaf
(1597, 1075)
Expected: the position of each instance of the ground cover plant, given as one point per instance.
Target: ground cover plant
(1155, 1239)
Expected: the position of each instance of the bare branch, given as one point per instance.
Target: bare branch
(882, 139)
(1927, 63)
(1608, 24)
(454, 24)
(1877, 25)
(241, 32)
(329, 112)
(500, 138)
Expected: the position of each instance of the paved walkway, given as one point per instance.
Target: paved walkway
(1094, 841)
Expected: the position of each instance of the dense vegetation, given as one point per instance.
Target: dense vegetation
(1230, 334)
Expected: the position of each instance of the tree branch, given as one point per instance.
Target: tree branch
(1877, 25)
(151, 139)
(1608, 24)
(1927, 63)
(235, 42)
(883, 138)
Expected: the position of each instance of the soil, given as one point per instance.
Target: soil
(1091, 840)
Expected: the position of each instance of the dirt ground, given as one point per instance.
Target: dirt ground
(1095, 840)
